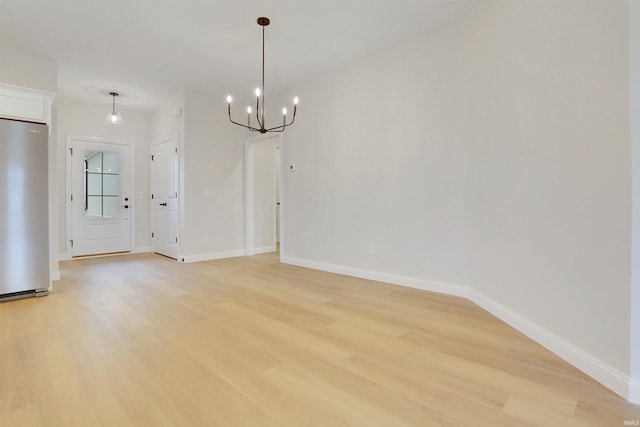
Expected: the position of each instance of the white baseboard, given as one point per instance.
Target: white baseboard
(55, 275)
(634, 391)
(587, 363)
(425, 285)
(263, 250)
(211, 256)
(610, 377)
(138, 250)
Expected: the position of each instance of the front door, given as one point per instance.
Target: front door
(100, 197)
(164, 198)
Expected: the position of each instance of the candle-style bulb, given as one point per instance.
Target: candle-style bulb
(249, 110)
(257, 91)
(229, 99)
(284, 111)
(295, 100)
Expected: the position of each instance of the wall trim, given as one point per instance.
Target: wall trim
(425, 285)
(616, 381)
(263, 250)
(634, 127)
(64, 257)
(634, 390)
(580, 359)
(141, 249)
(211, 256)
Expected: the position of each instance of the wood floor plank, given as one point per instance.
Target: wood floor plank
(141, 340)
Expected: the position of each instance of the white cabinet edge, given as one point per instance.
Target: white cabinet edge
(25, 104)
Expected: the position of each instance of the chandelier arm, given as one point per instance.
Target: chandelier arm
(273, 129)
(244, 126)
(283, 126)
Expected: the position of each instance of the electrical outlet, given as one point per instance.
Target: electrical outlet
(372, 249)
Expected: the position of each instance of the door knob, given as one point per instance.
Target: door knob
(125, 206)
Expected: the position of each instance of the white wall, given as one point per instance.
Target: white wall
(213, 177)
(492, 154)
(165, 122)
(381, 155)
(20, 69)
(79, 118)
(550, 178)
(373, 170)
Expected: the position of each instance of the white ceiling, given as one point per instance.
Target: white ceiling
(151, 49)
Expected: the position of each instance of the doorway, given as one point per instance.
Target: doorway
(99, 205)
(263, 193)
(164, 198)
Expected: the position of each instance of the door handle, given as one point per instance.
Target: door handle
(125, 206)
(162, 204)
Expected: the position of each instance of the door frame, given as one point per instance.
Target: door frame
(69, 185)
(180, 201)
(249, 191)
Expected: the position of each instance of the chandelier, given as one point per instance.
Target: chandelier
(259, 92)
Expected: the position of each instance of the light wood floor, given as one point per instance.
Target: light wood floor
(141, 340)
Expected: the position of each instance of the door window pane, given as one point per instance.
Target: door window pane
(109, 185)
(94, 206)
(110, 206)
(94, 184)
(102, 195)
(110, 162)
(94, 161)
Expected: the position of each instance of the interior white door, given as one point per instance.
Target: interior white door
(100, 197)
(164, 198)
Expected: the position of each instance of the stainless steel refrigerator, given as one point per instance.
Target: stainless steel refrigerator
(24, 209)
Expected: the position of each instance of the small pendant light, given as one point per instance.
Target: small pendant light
(113, 118)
